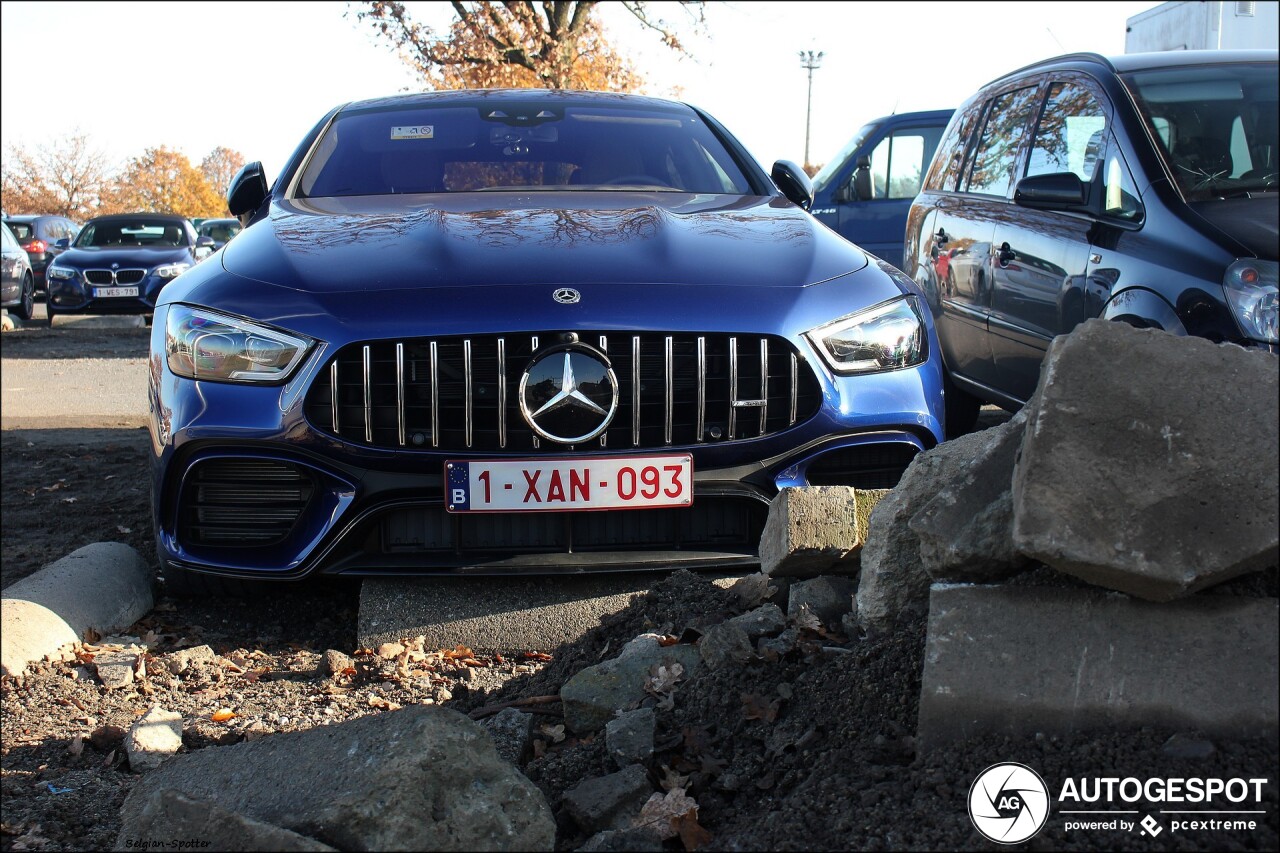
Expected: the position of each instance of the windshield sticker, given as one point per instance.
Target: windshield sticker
(414, 131)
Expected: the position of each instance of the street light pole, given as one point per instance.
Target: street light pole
(809, 61)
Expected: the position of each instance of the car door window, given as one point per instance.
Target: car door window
(1071, 134)
(896, 165)
(949, 160)
(996, 157)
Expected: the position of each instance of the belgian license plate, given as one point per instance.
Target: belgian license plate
(543, 485)
(115, 291)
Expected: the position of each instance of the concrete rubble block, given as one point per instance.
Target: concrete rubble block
(1016, 660)
(181, 660)
(492, 614)
(153, 738)
(893, 581)
(966, 529)
(609, 802)
(753, 590)
(725, 645)
(421, 778)
(104, 587)
(628, 738)
(623, 841)
(1149, 464)
(816, 530)
(591, 696)
(766, 619)
(511, 731)
(827, 597)
(336, 662)
(170, 814)
(115, 668)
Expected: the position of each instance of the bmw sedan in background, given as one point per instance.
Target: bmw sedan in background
(119, 264)
(529, 332)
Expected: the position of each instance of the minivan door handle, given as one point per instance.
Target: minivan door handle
(1006, 254)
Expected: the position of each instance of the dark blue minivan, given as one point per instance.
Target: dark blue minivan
(865, 192)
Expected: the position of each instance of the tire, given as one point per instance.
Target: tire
(26, 307)
(960, 409)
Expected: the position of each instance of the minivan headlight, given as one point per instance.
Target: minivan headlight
(1251, 287)
(887, 336)
(202, 344)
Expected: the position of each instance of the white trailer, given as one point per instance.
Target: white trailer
(1205, 25)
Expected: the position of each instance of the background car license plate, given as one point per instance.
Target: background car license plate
(115, 291)
(544, 485)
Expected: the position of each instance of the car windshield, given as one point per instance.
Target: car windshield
(133, 232)
(457, 148)
(828, 172)
(1216, 125)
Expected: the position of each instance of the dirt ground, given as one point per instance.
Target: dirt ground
(829, 764)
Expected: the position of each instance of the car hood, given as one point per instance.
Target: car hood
(102, 257)
(1252, 222)
(336, 245)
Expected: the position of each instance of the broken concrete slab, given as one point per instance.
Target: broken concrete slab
(438, 769)
(609, 802)
(169, 814)
(153, 737)
(592, 695)
(1018, 660)
(628, 738)
(828, 598)
(1160, 482)
(966, 528)
(816, 530)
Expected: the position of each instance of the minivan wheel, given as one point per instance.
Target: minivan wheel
(26, 307)
(960, 409)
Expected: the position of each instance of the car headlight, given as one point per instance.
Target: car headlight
(1251, 288)
(60, 273)
(171, 270)
(205, 345)
(887, 336)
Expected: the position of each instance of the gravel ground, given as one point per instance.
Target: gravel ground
(810, 751)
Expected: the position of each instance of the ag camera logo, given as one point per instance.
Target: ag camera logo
(1008, 803)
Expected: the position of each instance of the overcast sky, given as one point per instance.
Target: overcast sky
(255, 76)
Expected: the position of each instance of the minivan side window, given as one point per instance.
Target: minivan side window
(896, 165)
(996, 157)
(949, 159)
(1071, 134)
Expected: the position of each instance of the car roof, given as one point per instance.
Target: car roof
(510, 97)
(164, 217)
(1124, 63)
(32, 217)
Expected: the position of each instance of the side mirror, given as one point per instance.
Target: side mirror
(204, 248)
(862, 179)
(793, 182)
(64, 243)
(247, 191)
(1056, 191)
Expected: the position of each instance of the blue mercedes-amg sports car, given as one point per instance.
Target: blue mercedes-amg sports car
(521, 332)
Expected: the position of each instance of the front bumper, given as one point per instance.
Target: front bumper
(76, 296)
(235, 458)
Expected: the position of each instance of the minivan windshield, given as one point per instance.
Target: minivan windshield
(828, 172)
(458, 147)
(1216, 125)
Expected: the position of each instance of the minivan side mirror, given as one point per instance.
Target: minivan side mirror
(1056, 191)
(862, 179)
(247, 191)
(793, 182)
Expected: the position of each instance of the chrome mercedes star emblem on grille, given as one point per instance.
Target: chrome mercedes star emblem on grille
(566, 296)
(569, 395)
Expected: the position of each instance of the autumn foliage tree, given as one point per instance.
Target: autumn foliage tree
(164, 181)
(221, 165)
(68, 177)
(553, 45)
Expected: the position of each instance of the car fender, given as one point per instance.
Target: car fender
(1143, 308)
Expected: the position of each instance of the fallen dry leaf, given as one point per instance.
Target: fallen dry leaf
(662, 679)
(76, 746)
(120, 528)
(661, 811)
(253, 675)
(535, 656)
(756, 707)
(385, 704)
(556, 732)
(672, 779)
(459, 651)
(692, 834)
(222, 715)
